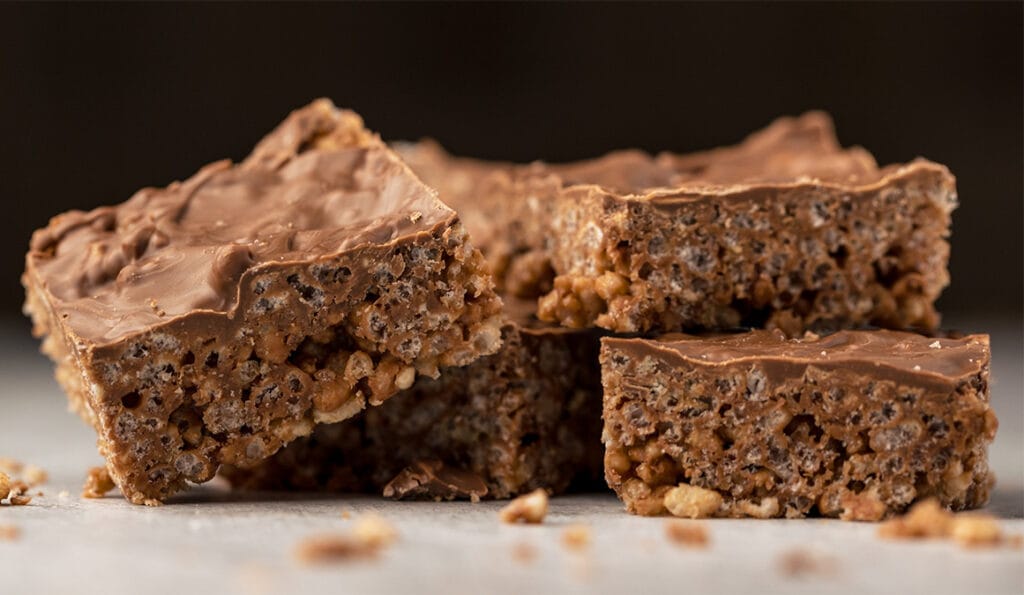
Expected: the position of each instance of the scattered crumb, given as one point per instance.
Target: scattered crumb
(917, 368)
(576, 537)
(976, 530)
(16, 479)
(97, 483)
(63, 495)
(17, 493)
(373, 531)
(524, 553)
(687, 533)
(935, 345)
(321, 549)
(370, 535)
(529, 508)
(34, 476)
(346, 515)
(929, 520)
(9, 532)
(800, 563)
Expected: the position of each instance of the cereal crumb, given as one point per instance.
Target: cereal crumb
(374, 532)
(799, 563)
(529, 508)
(976, 531)
(97, 483)
(321, 549)
(5, 485)
(63, 495)
(9, 532)
(687, 533)
(935, 345)
(368, 538)
(524, 553)
(346, 515)
(576, 537)
(17, 493)
(34, 476)
(692, 502)
(929, 520)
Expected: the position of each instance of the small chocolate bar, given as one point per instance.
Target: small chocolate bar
(785, 230)
(855, 425)
(217, 319)
(526, 417)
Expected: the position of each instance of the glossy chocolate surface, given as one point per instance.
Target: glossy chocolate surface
(318, 186)
(900, 356)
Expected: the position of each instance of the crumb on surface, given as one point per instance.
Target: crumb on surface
(576, 537)
(16, 479)
(976, 530)
(346, 515)
(97, 483)
(528, 508)
(370, 535)
(9, 532)
(17, 493)
(929, 520)
(687, 533)
(373, 531)
(320, 549)
(802, 562)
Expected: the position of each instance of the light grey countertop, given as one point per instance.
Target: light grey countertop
(213, 541)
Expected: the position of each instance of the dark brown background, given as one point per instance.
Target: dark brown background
(98, 100)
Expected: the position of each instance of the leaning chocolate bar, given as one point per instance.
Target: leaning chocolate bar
(219, 318)
(856, 425)
(523, 418)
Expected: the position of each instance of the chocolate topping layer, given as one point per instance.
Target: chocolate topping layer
(188, 248)
(883, 354)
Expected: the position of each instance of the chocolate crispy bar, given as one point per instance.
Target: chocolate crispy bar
(217, 319)
(525, 417)
(785, 230)
(855, 425)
